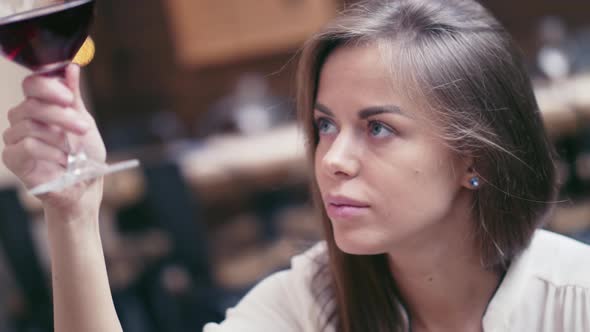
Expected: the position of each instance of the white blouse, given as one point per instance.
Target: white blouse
(546, 289)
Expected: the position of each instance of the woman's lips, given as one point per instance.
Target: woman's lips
(341, 207)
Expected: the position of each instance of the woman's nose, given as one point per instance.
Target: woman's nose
(340, 159)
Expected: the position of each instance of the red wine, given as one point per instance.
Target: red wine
(46, 36)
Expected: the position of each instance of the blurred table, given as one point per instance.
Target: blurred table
(215, 168)
(226, 165)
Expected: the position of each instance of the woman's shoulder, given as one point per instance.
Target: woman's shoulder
(283, 301)
(559, 260)
(546, 288)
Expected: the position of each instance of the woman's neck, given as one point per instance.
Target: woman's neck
(441, 278)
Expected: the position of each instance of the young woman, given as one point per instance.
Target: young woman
(432, 174)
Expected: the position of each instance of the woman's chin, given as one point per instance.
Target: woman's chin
(358, 245)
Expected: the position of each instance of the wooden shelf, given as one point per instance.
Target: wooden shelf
(212, 32)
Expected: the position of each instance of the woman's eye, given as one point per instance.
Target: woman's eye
(378, 129)
(325, 126)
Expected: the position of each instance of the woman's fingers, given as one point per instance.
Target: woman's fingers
(30, 128)
(51, 90)
(26, 156)
(51, 115)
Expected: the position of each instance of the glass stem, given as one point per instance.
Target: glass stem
(76, 158)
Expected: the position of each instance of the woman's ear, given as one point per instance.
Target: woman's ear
(471, 179)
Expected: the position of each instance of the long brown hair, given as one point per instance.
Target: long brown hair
(454, 56)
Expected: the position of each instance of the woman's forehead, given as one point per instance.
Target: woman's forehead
(358, 77)
(361, 77)
(357, 63)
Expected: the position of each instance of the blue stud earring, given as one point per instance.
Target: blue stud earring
(474, 181)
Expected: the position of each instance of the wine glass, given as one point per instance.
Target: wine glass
(44, 36)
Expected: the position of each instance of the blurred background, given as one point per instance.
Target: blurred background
(201, 91)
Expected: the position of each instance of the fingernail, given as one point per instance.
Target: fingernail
(74, 69)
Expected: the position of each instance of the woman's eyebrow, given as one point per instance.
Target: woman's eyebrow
(376, 110)
(365, 112)
(323, 109)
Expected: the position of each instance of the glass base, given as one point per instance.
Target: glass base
(90, 170)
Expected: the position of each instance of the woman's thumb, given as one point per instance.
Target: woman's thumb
(72, 80)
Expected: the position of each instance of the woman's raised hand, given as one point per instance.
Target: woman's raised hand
(36, 147)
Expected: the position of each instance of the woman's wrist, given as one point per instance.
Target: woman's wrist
(80, 208)
(82, 216)
(68, 231)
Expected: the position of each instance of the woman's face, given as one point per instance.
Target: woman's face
(384, 175)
